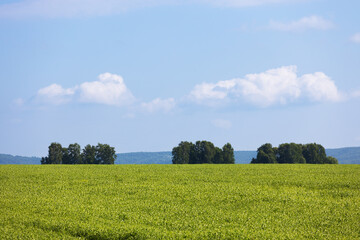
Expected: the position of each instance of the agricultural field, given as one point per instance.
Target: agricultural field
(180, 202)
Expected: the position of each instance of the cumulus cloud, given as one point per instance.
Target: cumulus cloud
(110, 90)
(212, 91)
(355, 38)
(78, 8)
(277, 86)
(319, 87)
(55, 94)
(305, 23)
(274, 86)
(158, 104)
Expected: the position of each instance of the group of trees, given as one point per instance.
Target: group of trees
(202, 152)
(293, 153)
(100, 154)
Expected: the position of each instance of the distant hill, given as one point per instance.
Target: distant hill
(244, 157)
(144, 158)
(344, 156)
(166, 157)
(10, 159)
(350, 155)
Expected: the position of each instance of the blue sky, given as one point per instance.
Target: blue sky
(145, 75)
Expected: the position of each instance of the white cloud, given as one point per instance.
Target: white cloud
(110, 90)
(305, 23)
(158, 104)
(320, 87)
(55, 94)
(278, 85)
(222, 123)
(272, 87)
(211, 91)
(78, 8)
(275, 86)
(355, 38)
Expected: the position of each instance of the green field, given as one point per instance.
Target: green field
(180, 201)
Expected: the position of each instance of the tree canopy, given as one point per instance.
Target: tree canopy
(104, 154)
(88, 155)
(55, 154)
(100, 154)
(202, 152)
(293, 153)
(290, 153)
(265, 154)
(72, 155)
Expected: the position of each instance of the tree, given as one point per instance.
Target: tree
(181, 153)
(207, 152)
(105, 154)
(55, 154)
(44, 160)
(74, 153)
(88, 154)
(265, 154)
(195, 153)
(290, 153)
(202, 152)
(331, 160)
(66, 157)
(314, 153)
(228, 154)
(101, 154)
(71, 154)
(293, 153)
(219, 156)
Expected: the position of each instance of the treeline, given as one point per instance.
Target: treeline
(202, 152)
(100, 154)
(293, 153)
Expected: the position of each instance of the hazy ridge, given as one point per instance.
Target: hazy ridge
(348, 155)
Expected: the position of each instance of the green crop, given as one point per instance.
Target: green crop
(180, 202)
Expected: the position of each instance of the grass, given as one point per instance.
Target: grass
(180, 202)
